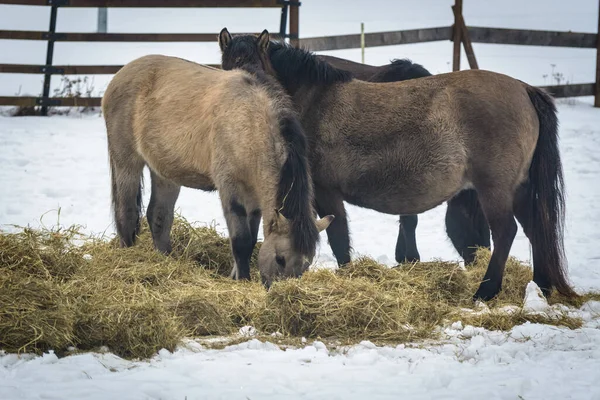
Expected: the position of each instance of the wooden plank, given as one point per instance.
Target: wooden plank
(19, 101)
(597, 88)
(23, 35)
(456, 35)
(28, 101)
(532, 37)
(574, 90)
(115, 37)
(294, 25)
(67, 69)
(153, 3)
(375, 39)
(466, 40)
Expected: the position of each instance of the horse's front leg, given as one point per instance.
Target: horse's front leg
(240, 235)
(331, 203)
(406, 245)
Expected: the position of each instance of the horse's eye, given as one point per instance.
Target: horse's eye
(280, 260)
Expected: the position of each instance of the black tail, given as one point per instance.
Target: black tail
(547, 198)
(295, 186)
(466, 225)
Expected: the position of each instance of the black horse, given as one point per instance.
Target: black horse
(466, 225)
(405, 147)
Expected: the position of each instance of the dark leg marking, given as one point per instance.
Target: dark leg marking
(330, 203)
(406, 245)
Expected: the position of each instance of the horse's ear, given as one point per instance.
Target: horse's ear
(263, 40)
(324, 222)
(274, 224)
(224, 39)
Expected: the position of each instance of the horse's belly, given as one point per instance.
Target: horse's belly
(412, 194)
(397, 203)
(197, 181)
(187, 166)
(187, 177)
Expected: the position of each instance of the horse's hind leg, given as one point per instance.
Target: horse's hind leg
(498, 208)
(466, 225)
(160, 211)
(406, 245)
(127, 197)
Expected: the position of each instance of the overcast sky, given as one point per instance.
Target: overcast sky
(317, 17)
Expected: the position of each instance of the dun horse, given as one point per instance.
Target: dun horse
(406, 147)
(465, 223)
(209, 129)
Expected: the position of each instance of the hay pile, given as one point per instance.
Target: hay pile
(55, 294)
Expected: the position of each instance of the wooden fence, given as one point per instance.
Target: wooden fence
(460, 33)
(457, 33)
(51, 37)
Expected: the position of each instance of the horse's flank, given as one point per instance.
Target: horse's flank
(176, 111)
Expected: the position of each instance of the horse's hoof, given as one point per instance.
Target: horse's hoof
(486, 292)
(343, 263)
(408, 260)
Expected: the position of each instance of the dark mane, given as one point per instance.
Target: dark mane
(400, 70)
(294, 191)
(298, 66)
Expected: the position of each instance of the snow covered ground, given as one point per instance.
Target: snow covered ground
(61, 162)
(531, 362)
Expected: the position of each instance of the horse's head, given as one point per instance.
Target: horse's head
(245, 51)
(278, 257)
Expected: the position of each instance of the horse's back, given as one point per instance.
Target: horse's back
(182, 117)
(434, 129)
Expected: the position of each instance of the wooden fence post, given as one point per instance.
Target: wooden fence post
(49, 56)
(466, 39)
(456, 35)
(294, 23)
(362, 42)
(284, 18)
(597, 94)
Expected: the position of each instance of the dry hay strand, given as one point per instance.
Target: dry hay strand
(557, 298)
(500, 316)
(506, 320)
(216, 306)
(363, 300)
(366, 300)
(202, 244)
(129, 318)
(44, 253)
(137, 301)
(517, 275)
(137, 264)
(34, 316)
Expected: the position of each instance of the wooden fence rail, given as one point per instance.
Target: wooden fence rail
(113, 37)
(524, 37)
(464, 34)
(51, 37)
(149, 3)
